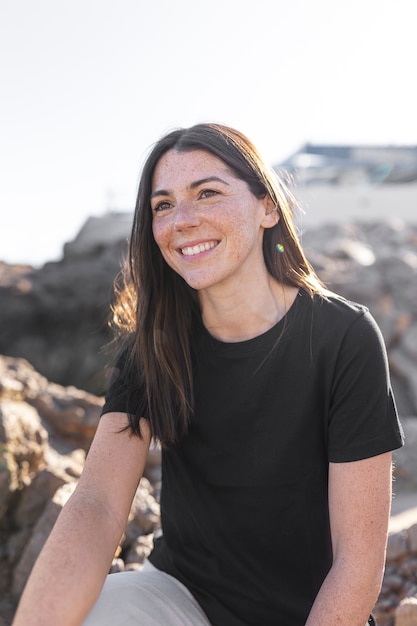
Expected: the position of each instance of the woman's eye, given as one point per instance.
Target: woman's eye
(208, 193)
(161, 206)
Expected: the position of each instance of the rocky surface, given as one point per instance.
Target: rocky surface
(57, 317)
(45, 432)
(399, 588)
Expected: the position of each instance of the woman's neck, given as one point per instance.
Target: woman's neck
(244, 314)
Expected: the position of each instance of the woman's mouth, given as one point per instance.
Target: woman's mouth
(198, 248)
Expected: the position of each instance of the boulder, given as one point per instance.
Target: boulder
(406, 612)
(23, 444)
(45, 431)
(57, 316)
(405, 459)
(67, 413)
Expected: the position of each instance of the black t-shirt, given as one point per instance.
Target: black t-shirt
(244, 498)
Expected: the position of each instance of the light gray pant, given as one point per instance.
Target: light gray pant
(147, 597)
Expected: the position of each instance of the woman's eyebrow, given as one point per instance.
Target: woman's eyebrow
(159, 192)
(209, 179)
(193, 185)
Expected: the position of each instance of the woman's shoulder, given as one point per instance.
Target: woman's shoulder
(331, 322)
(329, 304)
(330, 313)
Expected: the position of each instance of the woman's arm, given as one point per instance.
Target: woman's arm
(71, 569)
(359, 505)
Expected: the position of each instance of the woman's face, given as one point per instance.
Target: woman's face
(207, 223)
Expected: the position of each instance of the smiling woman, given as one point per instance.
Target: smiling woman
(267, 392)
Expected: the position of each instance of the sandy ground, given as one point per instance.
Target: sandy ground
(403, 511)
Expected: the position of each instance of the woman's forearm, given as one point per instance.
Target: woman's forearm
(346, 597)
(71, 569)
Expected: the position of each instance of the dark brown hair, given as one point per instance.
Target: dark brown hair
(155, 305)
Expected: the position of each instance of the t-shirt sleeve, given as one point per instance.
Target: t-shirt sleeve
(125, 393)
(363, 420)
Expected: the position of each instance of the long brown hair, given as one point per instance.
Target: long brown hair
(156, 306)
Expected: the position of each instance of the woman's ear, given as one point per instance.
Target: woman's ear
(271, 217)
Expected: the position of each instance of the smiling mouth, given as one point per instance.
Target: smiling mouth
(201, 247)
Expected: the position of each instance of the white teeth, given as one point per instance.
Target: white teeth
(201, 247)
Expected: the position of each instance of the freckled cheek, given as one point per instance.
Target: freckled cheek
(247, 242)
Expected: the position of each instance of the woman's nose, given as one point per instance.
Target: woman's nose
(185, 216)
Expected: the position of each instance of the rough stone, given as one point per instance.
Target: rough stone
(406, 612)
(67, 413)
(405, 458)
(43, 467)
(139, 550)
(71, 413)
(144, 515)
(412, 540)
(57, 317)
(23, 444)
(399, 587)
(397, 547)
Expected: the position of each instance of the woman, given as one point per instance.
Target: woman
(271, 399)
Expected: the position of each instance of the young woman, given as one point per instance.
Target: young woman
(271, 399)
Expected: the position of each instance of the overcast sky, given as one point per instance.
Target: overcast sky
(87, 86)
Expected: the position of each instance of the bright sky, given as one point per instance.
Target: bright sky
(87, 86)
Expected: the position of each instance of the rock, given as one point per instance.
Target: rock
(139, 550)
(404, 367)
(57, 317)
(7, 609)
(397, 546)
(144, 515)
(118, 565)
(19, 380)
(67, 412)
(412, 540)
(71, 413)
(352, 249)
(400, 579)
(405, 459)
(45, 430)
(23, 443)
(406, 612)
(35, 497)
